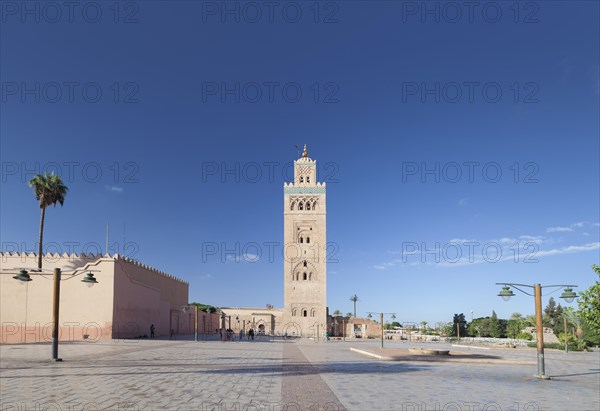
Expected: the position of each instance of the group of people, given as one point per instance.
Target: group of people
(226, 334)
(229, 335)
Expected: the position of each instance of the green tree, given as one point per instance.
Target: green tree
(354, 299)
(574, 321)
(495, 328)
(396, 324)
(553, 316)
(337, 313)
(459, 324)
(530, 321)
(49, 189)
(205, 308)
(448, 329)
(514, 325)
(589, 310)
(473, 328)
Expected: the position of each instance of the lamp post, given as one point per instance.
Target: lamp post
(381, 322)
(566, 335)
(506, 293)
(89, 280)
(196, 319)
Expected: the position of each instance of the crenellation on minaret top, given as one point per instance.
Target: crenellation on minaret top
(305, 170)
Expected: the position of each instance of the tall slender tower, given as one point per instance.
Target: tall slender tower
(305, 268)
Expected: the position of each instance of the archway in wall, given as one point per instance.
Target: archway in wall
(292, 329)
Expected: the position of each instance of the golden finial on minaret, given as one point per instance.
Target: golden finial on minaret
(305, 153)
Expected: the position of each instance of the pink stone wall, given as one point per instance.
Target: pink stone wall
(143, 296)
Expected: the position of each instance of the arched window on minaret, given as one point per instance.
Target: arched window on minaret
(304, 313)
(310, 276)
(301, 240)
(305, 263)
(308, 205)
(292, 207)
(297, 276)
(312, 312)
(308, 179)
(301, 179)
(294, 312)
(307, 240)
(301, 206)
(305, 276)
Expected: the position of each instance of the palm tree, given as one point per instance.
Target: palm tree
(337, 313)
(49, 190)
(530, 320)
(574, 320)
(424, 325)
(354, 299)
(517, 317)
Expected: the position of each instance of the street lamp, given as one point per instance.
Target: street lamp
(196, 319)
(569, 295)
(24, 277)
(506, 293)
(89, 280)
(381, 321)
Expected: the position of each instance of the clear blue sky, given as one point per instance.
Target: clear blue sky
(387, 92)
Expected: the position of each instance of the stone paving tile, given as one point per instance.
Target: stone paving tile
(149, 375)
(365, 383)
(185, 375)
(302, 384)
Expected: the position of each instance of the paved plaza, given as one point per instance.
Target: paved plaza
(285, 375)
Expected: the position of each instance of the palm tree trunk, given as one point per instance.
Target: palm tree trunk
(354, 309)
(41, 238)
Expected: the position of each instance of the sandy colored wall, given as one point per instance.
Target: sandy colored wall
(271, 318)
(128, 298)
(26, 308)
(145, 296)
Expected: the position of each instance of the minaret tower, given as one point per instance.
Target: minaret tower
(305, 268)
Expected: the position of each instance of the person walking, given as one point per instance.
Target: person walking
(152, 331)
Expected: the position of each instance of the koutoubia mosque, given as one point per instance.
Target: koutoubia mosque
(304, 311)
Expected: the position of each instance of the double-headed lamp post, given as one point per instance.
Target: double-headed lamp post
(196, 314)
(569, 295)
(23, 276)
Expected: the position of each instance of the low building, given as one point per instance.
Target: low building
(352, 327)
(128, 298)
(261, 320)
